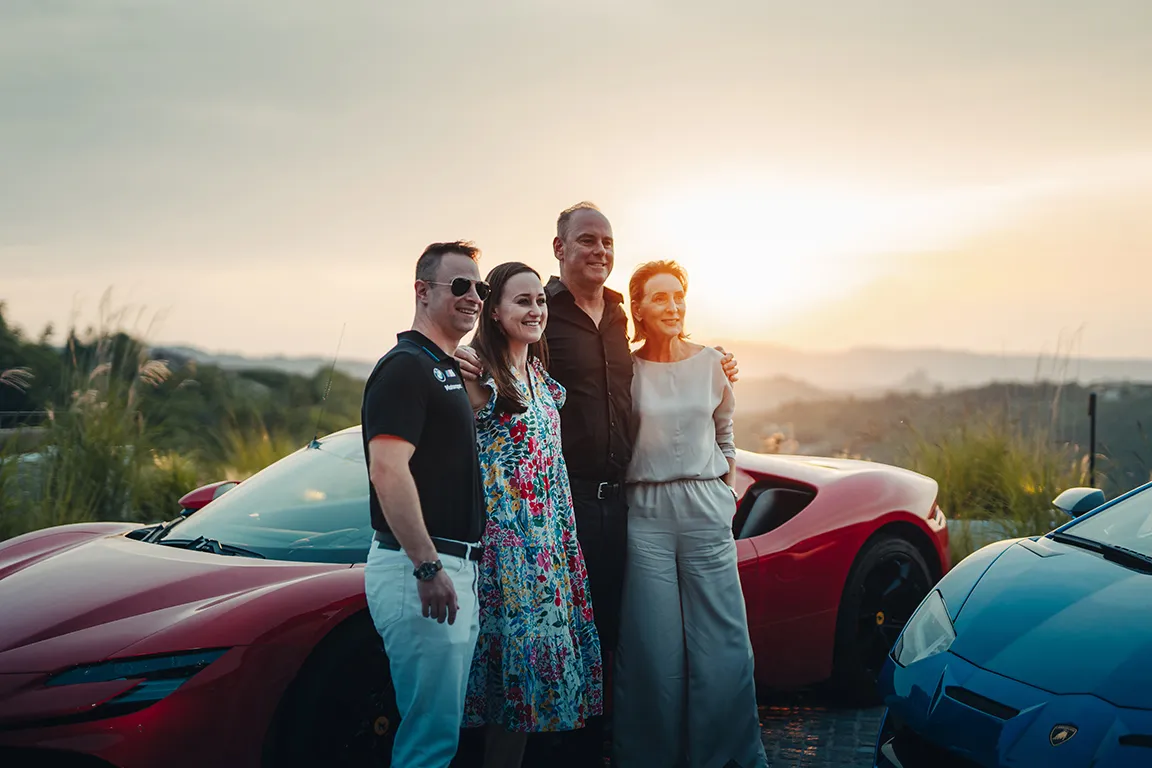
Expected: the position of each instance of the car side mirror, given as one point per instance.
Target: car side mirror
(194, 500)
(1076, 501)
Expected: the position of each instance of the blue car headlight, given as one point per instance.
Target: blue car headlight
(156, 676)
(927, 633)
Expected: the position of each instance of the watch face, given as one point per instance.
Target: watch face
(427, 571)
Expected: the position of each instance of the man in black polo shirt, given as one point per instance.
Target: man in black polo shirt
(427, 508)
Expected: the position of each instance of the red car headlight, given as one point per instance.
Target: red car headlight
(157, 676)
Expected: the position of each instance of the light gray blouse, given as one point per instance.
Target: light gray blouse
(684, 410)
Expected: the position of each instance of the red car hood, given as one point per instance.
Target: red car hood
(821, 470)
(87, 602)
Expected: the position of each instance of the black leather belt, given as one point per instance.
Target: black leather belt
(443, 546)
(601, 490)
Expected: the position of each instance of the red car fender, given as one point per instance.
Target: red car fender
(270, 632)
(282, 625)
(793, 577)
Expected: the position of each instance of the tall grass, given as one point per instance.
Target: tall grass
(96, 457)
(994, 472)
(246, 451)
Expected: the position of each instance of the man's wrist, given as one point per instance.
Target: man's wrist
(427, 571)
(428, 557)
(422, 553)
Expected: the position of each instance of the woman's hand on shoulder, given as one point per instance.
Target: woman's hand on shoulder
(472, 371)
(471, 367)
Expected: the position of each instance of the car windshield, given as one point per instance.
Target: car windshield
(311, 506)
(1128, 524)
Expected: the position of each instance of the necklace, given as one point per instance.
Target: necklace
(526, 380)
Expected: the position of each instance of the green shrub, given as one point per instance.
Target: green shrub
(120, 436)
(95, 454)
(992, 471)
(162, 482)
(246, 451)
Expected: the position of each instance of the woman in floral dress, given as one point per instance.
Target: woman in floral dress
(537, 663)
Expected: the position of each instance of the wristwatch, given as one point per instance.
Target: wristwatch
(428, 570)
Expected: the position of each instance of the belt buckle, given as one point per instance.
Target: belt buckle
(600, 491)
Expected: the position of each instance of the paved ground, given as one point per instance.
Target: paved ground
(808, 733)
(801, 730)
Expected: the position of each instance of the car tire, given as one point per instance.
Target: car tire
(341, 709)
(887, 582)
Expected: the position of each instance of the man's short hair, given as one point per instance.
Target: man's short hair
(428, 265)
(566, 216)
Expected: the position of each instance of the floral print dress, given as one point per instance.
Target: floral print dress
(537, 663)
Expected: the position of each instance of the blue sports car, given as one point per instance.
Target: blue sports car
(1032, 652)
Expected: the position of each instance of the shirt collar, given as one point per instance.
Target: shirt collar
(425, 343)
(556, 288)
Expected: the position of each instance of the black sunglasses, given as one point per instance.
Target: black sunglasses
(461, 285)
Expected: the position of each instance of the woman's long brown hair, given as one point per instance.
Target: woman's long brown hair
(492, 344)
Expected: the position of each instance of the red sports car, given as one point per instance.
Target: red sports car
(238, 635)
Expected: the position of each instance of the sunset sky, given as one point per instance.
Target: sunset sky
(892, 173)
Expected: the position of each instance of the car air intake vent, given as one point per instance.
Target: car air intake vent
(982, 703)
(764, 509)
(1136, 740)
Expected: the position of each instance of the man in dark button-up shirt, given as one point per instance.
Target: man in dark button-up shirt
(595, 365)
(587, 336)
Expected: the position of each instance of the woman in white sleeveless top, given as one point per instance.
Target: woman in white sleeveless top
(684, 690)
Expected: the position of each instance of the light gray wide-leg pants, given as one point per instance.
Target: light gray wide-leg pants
(684, 691)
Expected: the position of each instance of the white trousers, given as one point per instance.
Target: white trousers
(429, 660)
(684, 692)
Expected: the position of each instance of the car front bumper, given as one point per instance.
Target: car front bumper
(944, 712)
(219, 717)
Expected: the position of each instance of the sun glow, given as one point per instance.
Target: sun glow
(759, 254)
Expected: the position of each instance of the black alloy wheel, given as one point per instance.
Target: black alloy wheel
(886, 584)
(341, 710)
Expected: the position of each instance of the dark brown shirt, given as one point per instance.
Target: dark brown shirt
(594, 364)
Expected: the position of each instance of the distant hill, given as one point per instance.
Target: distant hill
(877, 370)
(303, 366)
(773, 370)
(764, 394)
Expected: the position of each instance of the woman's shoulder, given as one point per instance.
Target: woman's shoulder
(706, 356)
(708, 352)
(536, 365)
(714, 360)
(555, 388)
(694, 351)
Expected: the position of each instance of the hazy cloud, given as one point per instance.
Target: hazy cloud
(159, 143)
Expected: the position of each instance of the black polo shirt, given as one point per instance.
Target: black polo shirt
(594, 364)
(415, 393)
